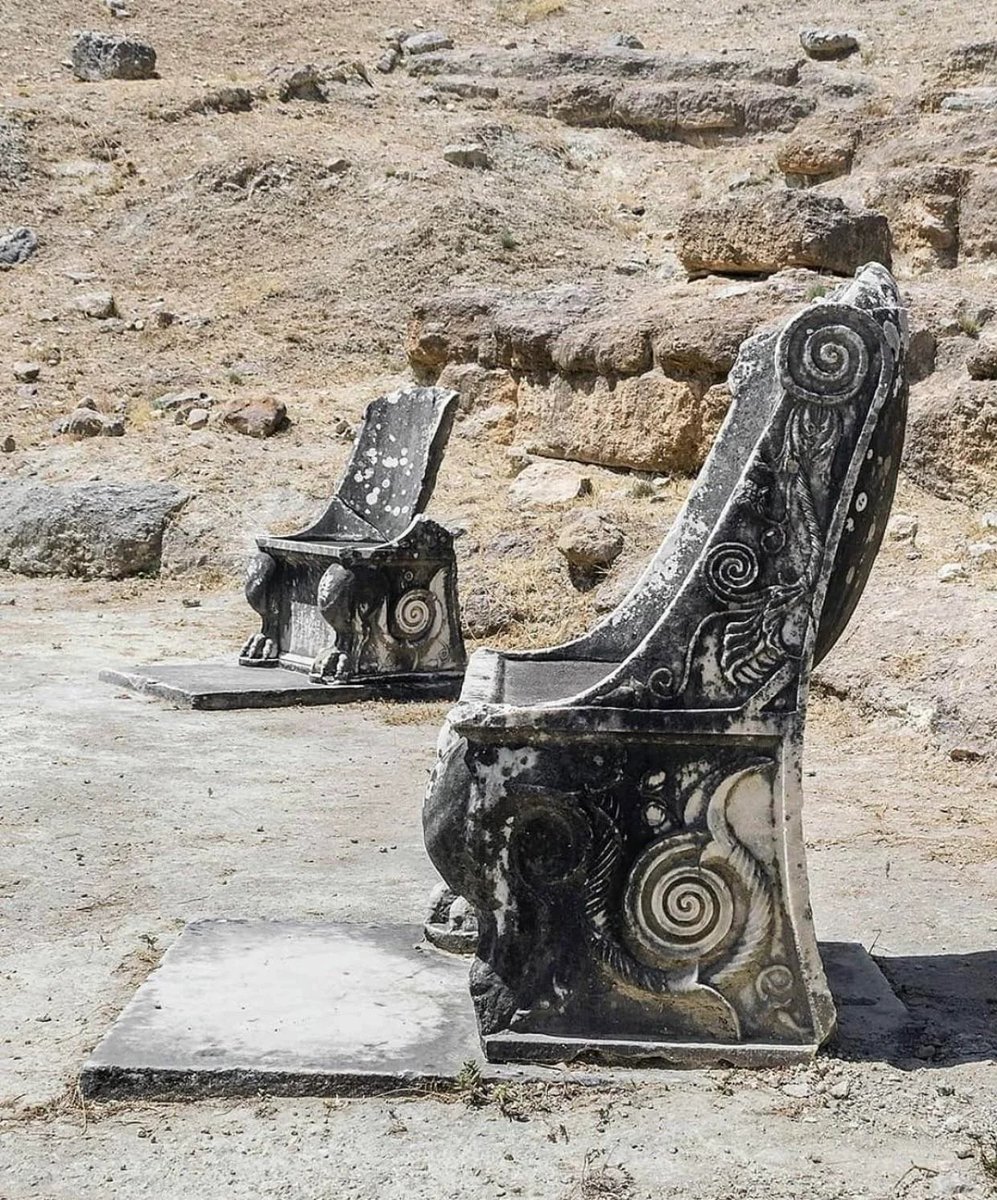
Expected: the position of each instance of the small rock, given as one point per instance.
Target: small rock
(182, 401)
(197, 418)
(548, 483)
(97, 56)
(258, 418)
(981, 362)
(512, 545)
(427, 43)
(826, 44)
(17, 246)
(483, 614)
(471, 155)
(988, 520)
(798, 1091)
(100, 306)
(27, 372)
(305, 82)
(840, 1090)
(951, 572)
(8, 445)
(965, 1150)
(388, 60)
(338, 165)
(628, 41)
(966, 754)
(590, 542)
(224, 100)
(86, 422)
(902, 528)
(982, 554)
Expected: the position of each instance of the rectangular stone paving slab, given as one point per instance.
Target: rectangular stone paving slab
(296, 1008)
(225, 685)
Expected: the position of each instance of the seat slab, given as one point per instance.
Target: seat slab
(528, 682)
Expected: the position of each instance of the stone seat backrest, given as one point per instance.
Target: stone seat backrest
(392, 470)
(769, 556)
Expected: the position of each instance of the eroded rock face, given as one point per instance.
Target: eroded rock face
(648, 422)
(88, 530)
(746, 234)
(922, 204)
(660, 96)
(978, 214)
(952, 436)
(621, 380)
(98, 56)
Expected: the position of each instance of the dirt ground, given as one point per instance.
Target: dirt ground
(122, 819)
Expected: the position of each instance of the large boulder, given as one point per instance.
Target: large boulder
(88, 530)
(761, 234)
(97, 56)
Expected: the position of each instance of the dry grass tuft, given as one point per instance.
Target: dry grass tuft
(525, 12)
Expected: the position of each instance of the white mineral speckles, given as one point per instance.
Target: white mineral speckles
(850, 525)
(861, 500)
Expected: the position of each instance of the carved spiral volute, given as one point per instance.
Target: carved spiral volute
(824, 357)
(679, 909)
(415, 613)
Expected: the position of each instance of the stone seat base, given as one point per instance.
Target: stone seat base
(219, 686)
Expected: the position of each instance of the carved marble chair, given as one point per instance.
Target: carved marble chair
(370, 590)
(623, 811)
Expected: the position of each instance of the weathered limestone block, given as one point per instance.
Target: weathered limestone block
(647, 422)
(99, 56)
(89, 530)
(547, 485)
(922, 204)
(816, 151)
(623, 812)
(952, 443)
(972, 58)
(680, 111)
(617, 62)
(978, 214)
(494, 328)
(760, 234)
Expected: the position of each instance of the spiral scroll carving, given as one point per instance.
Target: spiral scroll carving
(414, 614)
(731, 570)
(824, 356)
(678, 908)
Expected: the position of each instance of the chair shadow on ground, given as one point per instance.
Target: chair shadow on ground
(913, 1011)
